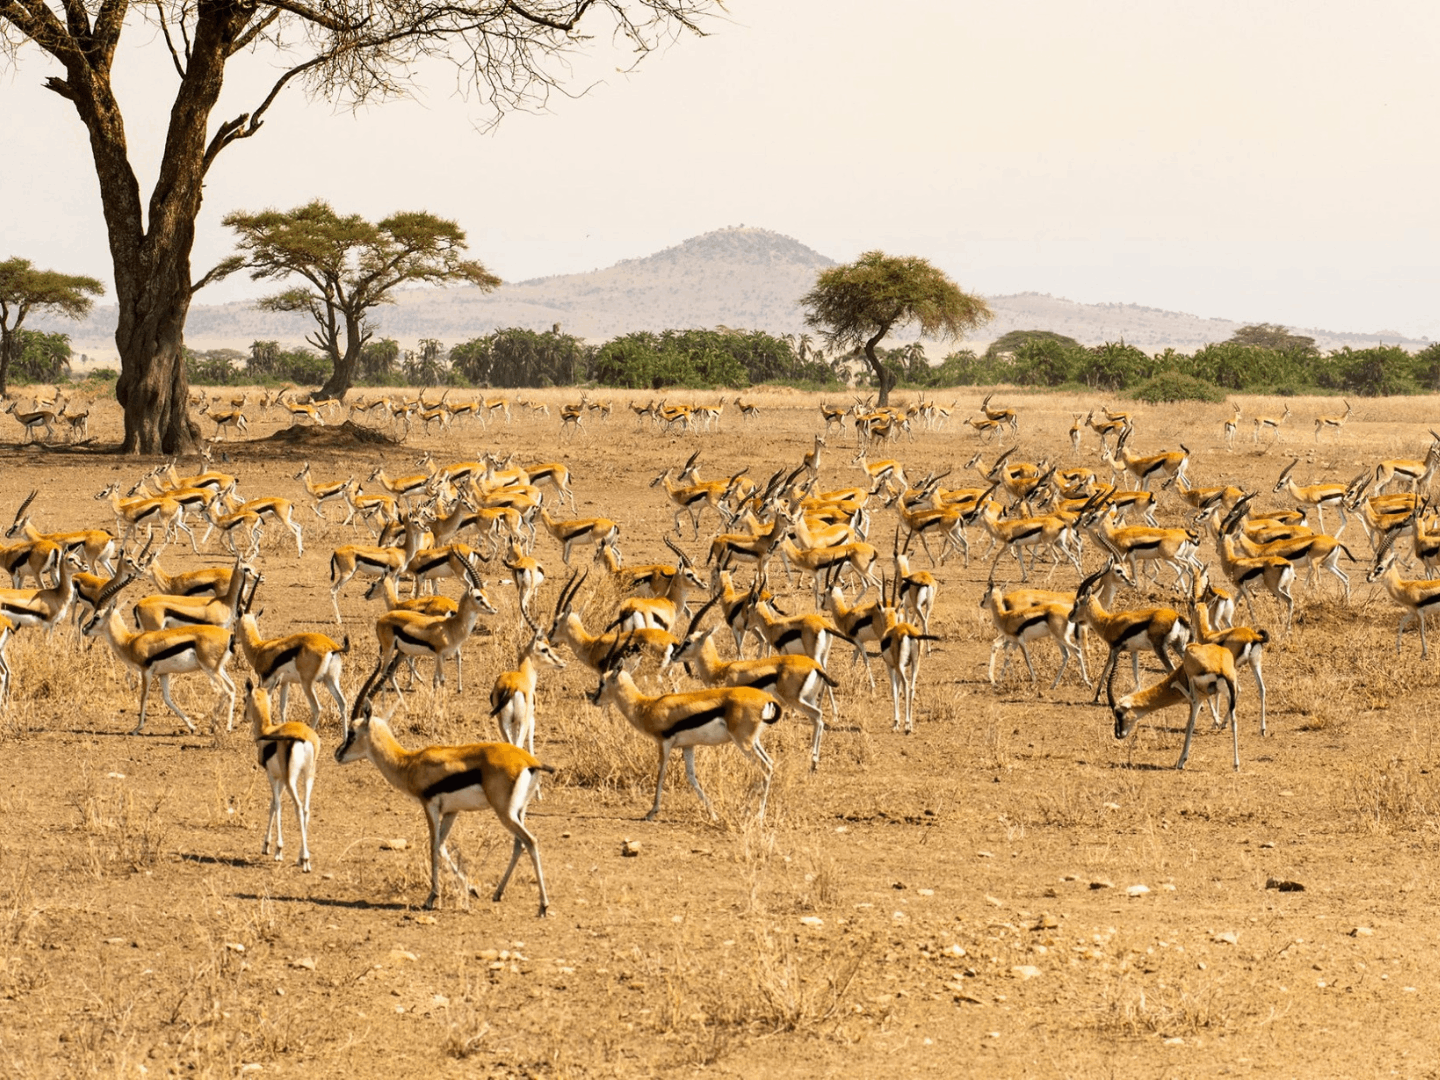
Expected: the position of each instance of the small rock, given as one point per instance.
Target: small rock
(1176, 1041)
(1102, 883)
(811, 920)
(629, 849)
(1268, 843)
(954, 950)
(401, 954)
(897, 885)
(927, 892)
(115, 776)
(399, 844)
(114, 941)
(426, 920)
(994, 901)
(1362, 931)
(303, 962)
(1045, 922)
(1112, 806)
(985, 854)
(1284, 886)
(1137, 890)
(235, 946)
(1228, 938)
(279, 991)
(1026, 971)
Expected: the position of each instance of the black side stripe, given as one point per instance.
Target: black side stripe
(447, 785)
(788, 638)
(694, 720)
(1034, 620)
(281, 659)
(765, 682)
(410, 639)
(173, 650)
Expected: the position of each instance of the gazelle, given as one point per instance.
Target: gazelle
(1105, 428)
(234, 525)
(888, 473)
(1167, 463)
(1159, 629)
(692, 499)
(555, 475)
(1316, 495)
(579, 531)
(163, 611)
(1000, 415)
(1202, 671)
(322, 493)
(1076, 428)
(441, 637)
(96, 545)
(1417, 474)
(900, 649)
(1332, 423)
(795, 681)
(164, 512)
(41, 607)
(1231, 426)
(859, 623)
(287, 753)
(1019, 626)
(700, 718)
(595, 650)
(158, 654)
(32, 420)
(352, 559)
(512, 698)
(1245, 644)
(823, 561)
(404, 488)
(298, 409)
(1269, 423)
(231, 419)
(1276, 573)
(448, 780)
(1312, 552)
(214, 581)
(1174, 547)
(663, 611)
(1416, 597)
(306, 660)
(526, 572)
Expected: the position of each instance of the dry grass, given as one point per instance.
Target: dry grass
(915, 902)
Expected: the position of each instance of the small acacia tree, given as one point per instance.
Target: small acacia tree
(857, 304)
(24, 289)
(349, 266)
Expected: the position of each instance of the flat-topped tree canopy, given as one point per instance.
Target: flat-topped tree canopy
(856, 304)
(511, 54)
(24, 288)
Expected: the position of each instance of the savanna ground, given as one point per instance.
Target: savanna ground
(955, 902)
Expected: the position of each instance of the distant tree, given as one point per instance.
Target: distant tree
(41, 357)
(1272, 336)
(380, 361)
(1012, 342)
(428, 365)
(510, 54)
(858, 303)
(349, 266)
(516, 357)
(24, 289)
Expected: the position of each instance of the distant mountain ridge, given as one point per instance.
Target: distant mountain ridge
(741, 277)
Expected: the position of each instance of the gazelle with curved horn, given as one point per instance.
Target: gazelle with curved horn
(441, 637)
(306, 660)
(159, 654)
(1316, 495)
(1277, 574)
(164, 610)
(1105, 428)
(566, 628)
(1320, 550)
(1019, 626)
(1232, 425)
(512, 698)
(287, 753)
(31, 557)
(1000, 415)
(1245, 644)
(887, 474)
(447, 781)
(580, 531)
(1201, 673)
(661, 612)
(795, 681)
(1270, 424)
(1416, 597)
(1332, 423)
(42, 607)
(162, 511)
(1168, 463)
(97, 546)
(321, 493)
(1417, 474)
(1160, 629)
(733, 714)
(525, 571)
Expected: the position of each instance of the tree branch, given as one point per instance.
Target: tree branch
(255, 31)
(169, 44)
(247, 124)
(222, 269)
(553, 24)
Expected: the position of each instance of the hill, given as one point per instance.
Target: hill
(741, 277)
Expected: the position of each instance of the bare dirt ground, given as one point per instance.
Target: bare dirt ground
(960, 901)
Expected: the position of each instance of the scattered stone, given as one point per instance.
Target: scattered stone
(1362, 931)
(811, 920)
(1282, 885)
(897, 885)
(629, 848)
(399, 844)
(1026, 971)
(1268, 843)
(1228, 938)
(927, 892)
(994, 901)
(564, 836)
(1112, 806)
(401, 954)
(1045, 922)
(114, 941)
(235, 946)
(954, 950)
(1176, 1041)
(985, 854)
(1137, 890)
(1102, 883)
(115, 776)
(426, 920)
(303, 962)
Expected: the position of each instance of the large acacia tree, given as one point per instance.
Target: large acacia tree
(511, 52)
(348, 266)
(24, 289)
(855, 305)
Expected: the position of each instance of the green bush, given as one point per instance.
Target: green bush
(1176, 386)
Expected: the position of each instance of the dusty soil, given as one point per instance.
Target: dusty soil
(960, 901)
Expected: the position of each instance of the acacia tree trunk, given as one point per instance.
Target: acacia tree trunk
(150, 251)
(883, 376)
(342, 373)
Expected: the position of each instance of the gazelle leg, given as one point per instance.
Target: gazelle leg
(272, 827)
(688, 753)
(1190, 727)
(1255, 662)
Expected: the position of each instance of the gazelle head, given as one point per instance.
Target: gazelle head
(1125, 715)
(1285, 474)
(20, 519)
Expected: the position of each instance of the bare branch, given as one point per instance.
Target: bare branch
(169, 44)
(244, 40)
(220, 270)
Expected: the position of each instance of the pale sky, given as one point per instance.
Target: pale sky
(1250, 160)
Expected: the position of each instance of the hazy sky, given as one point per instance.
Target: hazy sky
(1257, 160)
